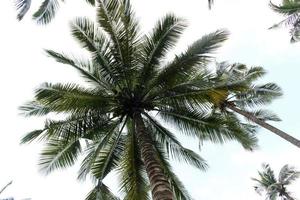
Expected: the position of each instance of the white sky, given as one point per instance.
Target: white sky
(24, 66)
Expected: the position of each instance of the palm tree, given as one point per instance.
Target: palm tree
(245, 99)
(46, 11)
(290, 9)
(268, 183)
(113, 121)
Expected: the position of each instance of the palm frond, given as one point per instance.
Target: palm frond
(22, 7)
(288, 174)
(59, 153)
(84, 67)
(101, 192)
(163, 37)
(92, 2)
(94, 150)
(70, 98)
(287, 8)
(133, 178)
(194, 59)
(173, 147)
(110, 156)
(46, 12)
(31, 136)
(265, 115)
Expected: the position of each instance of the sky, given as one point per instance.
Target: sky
(24, 66)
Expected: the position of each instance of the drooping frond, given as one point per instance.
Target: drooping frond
(31, 136)
(59, 153)
(101, 192)
(133, 178)
(212, 127)
(94, 150)
(258, 95)
(172, 146)
(109, 157)
(265, 115)
(46, 12)
(22, 7)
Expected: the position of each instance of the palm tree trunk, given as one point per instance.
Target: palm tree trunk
(265, 125)
(160, 186)
(288, 197)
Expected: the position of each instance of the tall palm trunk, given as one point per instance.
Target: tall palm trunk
(265, 125)
(288, 197)
(160, 187)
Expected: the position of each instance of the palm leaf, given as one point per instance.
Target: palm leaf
(46, 12)
(22, 7)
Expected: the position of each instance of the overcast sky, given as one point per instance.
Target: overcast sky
(24, 66)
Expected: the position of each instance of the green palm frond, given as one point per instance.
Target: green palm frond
(173, 147)
(163, 37)
(101, 192)
(31, 136)
(258, 95)
(109, 157)
(290, 9)
(215, 128)
(265, 115)
(194, 58)
(92, 2)
(59, 153)
(70, 98)
(22, 7)
(133, 178)
(287, 7)
(46, 12)
(85, 67)
(94, 149)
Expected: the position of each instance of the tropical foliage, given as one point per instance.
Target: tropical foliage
(290, 9)
(115, 120)
(248, 99)
(273, 187)
(46, 11)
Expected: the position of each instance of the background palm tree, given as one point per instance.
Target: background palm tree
(273, 188)
(290, 9)
(46, 11)
(248, 98)
(114, 120)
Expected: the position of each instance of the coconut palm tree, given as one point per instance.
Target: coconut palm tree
(115, 120)
(268, 183)
(247, 99)
(46, 11)
(290, 9)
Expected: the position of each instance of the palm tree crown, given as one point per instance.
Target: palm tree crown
(114, 122)
(267, 182)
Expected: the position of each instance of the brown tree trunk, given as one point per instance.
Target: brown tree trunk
(160, 186)
(265, 125)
